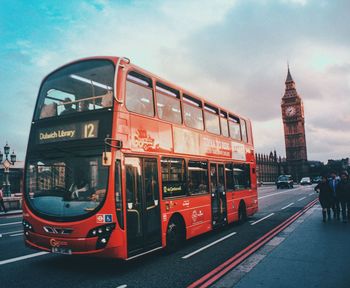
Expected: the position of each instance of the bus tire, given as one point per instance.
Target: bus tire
(242, 213)
(175, 234)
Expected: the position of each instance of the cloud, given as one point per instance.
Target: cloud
(299, 2)
(233, 53)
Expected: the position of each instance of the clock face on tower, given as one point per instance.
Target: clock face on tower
(290, 110)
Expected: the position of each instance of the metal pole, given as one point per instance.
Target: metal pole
(7, 190)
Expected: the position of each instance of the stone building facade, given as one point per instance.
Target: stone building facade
(269, 167)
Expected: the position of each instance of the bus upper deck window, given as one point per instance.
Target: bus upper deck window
(193, 113)
(244, 131)
(212, 123)
(139, 94)
(79, 87)
(223, 122)
(235, 128)
(168, 104)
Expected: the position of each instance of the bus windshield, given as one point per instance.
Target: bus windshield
(65, 188)
(79, 87)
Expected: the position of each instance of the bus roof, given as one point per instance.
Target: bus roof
(115, 59)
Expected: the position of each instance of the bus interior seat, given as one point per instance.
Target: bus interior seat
(48, 110)
(107, 99)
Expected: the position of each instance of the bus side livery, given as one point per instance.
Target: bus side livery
(121, 163)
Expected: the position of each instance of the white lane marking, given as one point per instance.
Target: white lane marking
(311, 194)
(12, 223)
(12, 235)
(209, 245)
(3, 262)
(287, 206)
(6, 233)
(10, 217)
(266, 188)
(144, 253)
(122, 286)
(262, 219)
(273, 194)
(301, 198)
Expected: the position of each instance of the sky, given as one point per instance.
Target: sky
(233, 53)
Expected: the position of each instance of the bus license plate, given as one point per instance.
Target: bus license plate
(60, 250)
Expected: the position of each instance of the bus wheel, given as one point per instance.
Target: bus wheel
(242, 213)
(174, 235)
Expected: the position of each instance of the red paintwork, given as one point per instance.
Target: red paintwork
(152, 137)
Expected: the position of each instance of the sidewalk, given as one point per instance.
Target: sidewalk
(309, 253)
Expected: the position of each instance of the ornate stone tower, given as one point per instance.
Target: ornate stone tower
(294, 130)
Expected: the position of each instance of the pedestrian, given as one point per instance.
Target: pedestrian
(325, 197)
(343, 191)
(2, 204)
(68, 109)
(347, 199)
(333, 183)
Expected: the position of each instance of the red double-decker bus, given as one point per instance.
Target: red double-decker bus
(121, 162)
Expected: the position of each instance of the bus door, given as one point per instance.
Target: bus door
(142, 205)
(218, 194)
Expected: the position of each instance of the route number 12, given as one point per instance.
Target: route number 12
(90, 130)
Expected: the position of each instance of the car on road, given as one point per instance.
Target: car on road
(305, 181)
(316, 179)
(284, 181)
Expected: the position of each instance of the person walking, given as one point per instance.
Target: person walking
(325, 197)
(333, 183)
(2, 204)
(343, 191)
(347, 199)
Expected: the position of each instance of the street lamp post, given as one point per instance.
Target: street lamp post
(7, 164)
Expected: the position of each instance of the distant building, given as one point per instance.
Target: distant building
(316, 168)
(269, 166)
(15, 177)
(43, 177)
(294, 130)
(338, 165)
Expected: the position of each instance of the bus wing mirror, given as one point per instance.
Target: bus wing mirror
(106, 158)
(118, 144)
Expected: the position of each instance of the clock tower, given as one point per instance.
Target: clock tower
(294, 130)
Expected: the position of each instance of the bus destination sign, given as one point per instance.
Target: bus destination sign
(82, 130)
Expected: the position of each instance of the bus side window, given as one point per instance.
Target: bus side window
(223, 122)
(173, 177)
(230, 183)
(139, 94)
(168, 104)
(244, 131)
(151, 183)
(197, 177)
(212, 122)
(241, 176)
(235, 130)
(193, 113)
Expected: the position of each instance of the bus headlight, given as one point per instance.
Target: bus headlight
(103, 233)
(27, 226)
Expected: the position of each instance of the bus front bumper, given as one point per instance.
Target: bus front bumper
(61, 245)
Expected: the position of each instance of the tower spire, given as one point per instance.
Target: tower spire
(289, 76)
